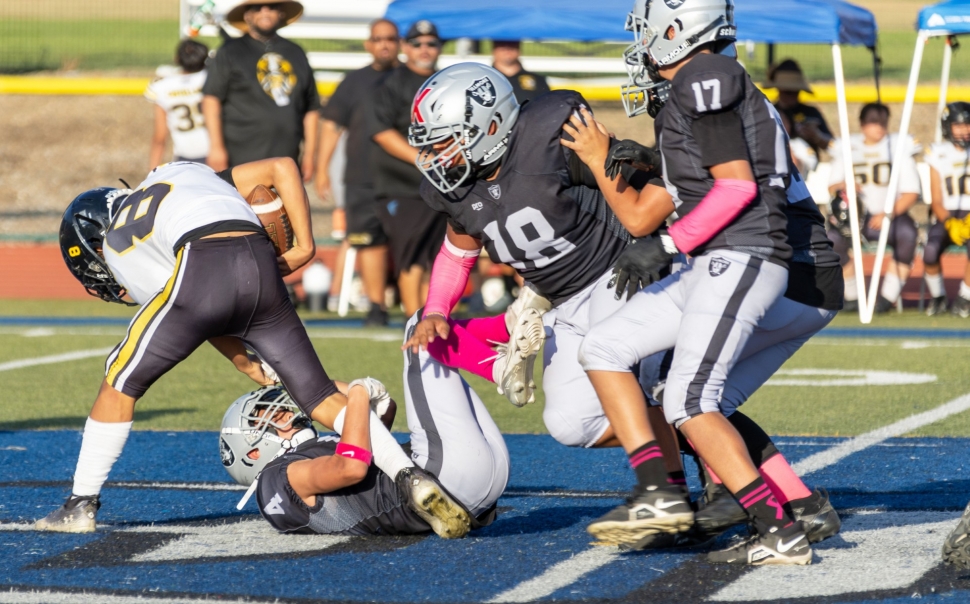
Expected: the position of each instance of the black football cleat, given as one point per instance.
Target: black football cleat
(645, 513)
(961, 307)
(850, 305)
(77, 515)
(429, 500)
(956, 548)
(718, 510)
(883, 305)
(936, 306)
(817, 515)
(787, 545)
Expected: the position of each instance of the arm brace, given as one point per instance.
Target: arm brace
(449, 275)
(722, 204)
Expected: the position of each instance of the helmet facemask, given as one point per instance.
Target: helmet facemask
(261, 414)
(445, 154)
(645, 91)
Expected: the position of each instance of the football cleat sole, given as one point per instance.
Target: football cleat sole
(516, 375)
(631, 532)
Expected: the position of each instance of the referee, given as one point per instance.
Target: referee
(414, 230)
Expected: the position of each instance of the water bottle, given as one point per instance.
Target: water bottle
(201, 17)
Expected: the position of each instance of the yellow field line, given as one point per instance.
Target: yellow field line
(824, 93)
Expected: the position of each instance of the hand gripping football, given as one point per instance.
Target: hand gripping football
(272, 215)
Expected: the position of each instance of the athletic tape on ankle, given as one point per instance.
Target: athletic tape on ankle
(354, 452)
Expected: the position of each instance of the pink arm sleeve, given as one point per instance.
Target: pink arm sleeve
(722, 204)
(449, 275)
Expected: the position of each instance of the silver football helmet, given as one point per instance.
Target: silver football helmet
(665, 31)
(251, 423)
(460, 121)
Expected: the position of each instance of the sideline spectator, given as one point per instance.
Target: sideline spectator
(261, 99)
(807, 121)
(414, 230)
(178, 107)
(525, 84)
(347, 110)
(949, 172)
(872, 154)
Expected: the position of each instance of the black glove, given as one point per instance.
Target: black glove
(640, 264)
(630, 152)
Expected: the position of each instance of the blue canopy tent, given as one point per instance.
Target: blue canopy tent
(833, 22)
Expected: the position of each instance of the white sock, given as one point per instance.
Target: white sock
(891, 287)
(387, 452)
(100, 447)
(850, 290)
(935, 284)
(964, 290)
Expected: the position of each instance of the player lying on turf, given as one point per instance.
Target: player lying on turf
(949, 171)
(730, 181)
(186, 245)
(505, 182)
(325, 485)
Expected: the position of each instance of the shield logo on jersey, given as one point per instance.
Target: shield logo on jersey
(718, 266)
(673, 3)
(482, 91)
(226, 453)
(495, 191)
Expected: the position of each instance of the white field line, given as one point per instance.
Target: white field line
(55, 358)
(833, 455)
(571, 570)
(69, 597)
(559, 576)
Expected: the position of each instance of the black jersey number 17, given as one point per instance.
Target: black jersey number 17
(135, 218)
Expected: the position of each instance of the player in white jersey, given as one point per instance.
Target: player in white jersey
(872, 155)
(178, 101)
(186, 246)
(950, 206)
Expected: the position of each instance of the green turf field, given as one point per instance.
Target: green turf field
(196, 393)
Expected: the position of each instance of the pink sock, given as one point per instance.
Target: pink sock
(784, 483)
(462, 350)
(488, 329)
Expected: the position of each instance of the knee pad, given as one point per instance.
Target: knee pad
(759, 444)
(573, 431)
(904, 240)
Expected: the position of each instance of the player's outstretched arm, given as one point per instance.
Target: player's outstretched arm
(312, 477)
(282, 174)
(449, 275)
(234, 349)
(640, 212)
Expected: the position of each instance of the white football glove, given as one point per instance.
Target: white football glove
(380, 400)
(269, 372)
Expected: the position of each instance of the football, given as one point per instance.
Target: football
(269, 207)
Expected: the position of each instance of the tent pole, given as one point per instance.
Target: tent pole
(899, 153)
(944, 85)
(849, 181)
(876, 68)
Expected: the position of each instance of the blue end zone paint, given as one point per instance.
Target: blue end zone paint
(553, 493)
(860, 332)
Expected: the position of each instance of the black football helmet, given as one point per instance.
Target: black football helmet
(83, 227)
(955, 113)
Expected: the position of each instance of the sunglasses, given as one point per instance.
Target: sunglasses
(417, 44)
(255, 8)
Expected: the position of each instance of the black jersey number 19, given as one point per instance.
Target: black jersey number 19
(533, 235)
(135, 219)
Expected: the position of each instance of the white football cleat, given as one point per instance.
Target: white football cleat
(77, 515)
(514, 366)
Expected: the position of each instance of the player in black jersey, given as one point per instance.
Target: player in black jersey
(505, 183)
(728, 172)
(326, 484)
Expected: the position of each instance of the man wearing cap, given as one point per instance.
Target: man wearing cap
(525, 84)
(260, 97)
(414, 230)
(807, 121)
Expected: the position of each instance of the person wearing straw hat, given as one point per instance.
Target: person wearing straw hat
(807, 121)
(260, 96)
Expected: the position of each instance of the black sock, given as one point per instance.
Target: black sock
(677, 478)
(760, 504)
(648, 463)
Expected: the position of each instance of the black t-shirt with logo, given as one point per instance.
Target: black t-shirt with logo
(348, 108)
(391, 110)
(527, 85)
(266, 90)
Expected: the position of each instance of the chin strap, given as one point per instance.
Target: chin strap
(288, 445)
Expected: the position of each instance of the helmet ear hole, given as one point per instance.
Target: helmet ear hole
(493, 127)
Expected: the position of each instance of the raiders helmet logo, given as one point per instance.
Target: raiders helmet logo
(226, 453)
(482, 91)
(673, 4)
(718, 266)
(495, 191)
